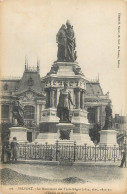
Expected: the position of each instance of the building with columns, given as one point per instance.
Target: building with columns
(40, 95)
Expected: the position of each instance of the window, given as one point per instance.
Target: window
(29, 112)
(91, 115)
(5, 111)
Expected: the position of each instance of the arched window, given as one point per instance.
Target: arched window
(5, 111)
(29, 112)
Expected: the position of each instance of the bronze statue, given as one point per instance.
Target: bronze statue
(61, 40)
(64, 104)
(18, 112)
(108, 118)
(66, 43)
(71, 53)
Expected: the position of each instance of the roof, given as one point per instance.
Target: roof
(9, 86)
(94, 88)
(30, 79)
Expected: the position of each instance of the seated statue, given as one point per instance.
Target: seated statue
(64, 104)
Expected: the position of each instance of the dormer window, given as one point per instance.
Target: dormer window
(6, 86)
(30, 81)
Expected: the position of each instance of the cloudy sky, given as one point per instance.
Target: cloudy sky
(29, 29)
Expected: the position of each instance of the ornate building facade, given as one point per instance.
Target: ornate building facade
(39, 97)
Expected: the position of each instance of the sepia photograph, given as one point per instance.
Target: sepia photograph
(63, 107)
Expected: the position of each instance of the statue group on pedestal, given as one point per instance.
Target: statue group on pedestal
(65, 39)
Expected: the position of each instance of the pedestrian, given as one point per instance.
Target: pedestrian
(8, 151)
(123, 158)
(4, 157)
(14, 149)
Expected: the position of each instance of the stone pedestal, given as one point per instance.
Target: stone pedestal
(49, 115)
(20, 133)
(48, 130)
(79, 116)
(108, 138)
(65, 128)
(49, 138)
(82, 139)
(81, 127)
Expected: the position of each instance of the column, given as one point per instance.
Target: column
(52, 97)
(102, 115)
(10, 113)
(78, 98)
(55, 98)
(47, 98)
(82, 100)
(98, 114)
(38, 114)
(40, 108)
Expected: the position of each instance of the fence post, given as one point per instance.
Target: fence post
(25, 150)
(125, 151)
(74, 149)
(105, 152)
(95, 153)
(35, 150)
(85, 150)
(46, 151)
(114, 152)
(56, 150)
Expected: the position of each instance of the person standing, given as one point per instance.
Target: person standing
(123, 158)
(14, 149)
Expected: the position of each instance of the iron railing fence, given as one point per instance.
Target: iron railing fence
(72, 153)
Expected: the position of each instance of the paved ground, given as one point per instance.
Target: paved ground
(57, 173)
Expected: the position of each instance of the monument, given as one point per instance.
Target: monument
(108, 136)
(18, 130)
(65, 116)
(65, 127)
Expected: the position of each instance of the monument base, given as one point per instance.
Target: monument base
(49, 115)
(108, 138)
(65, 131)
(79, 116)
(20, 133)
(66, 142)
(82, 139)
(49, 138)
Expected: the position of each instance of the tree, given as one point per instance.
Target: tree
(5, 132)
(94, 133)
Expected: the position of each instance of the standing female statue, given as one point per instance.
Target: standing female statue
(64, 104)
(61, 41)
(71, 53)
